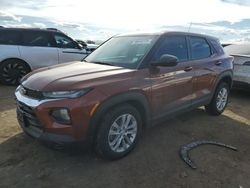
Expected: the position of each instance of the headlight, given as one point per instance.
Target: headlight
(66, 94)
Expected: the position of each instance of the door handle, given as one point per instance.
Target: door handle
(218, 63)
(188, 69)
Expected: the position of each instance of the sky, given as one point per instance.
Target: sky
(229, 20)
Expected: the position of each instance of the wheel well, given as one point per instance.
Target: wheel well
(140, 109)
(228, 80)
(134, 103)
(17, 59)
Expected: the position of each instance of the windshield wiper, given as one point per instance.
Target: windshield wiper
(102, 63)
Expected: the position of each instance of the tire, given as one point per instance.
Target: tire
(219, 100)
(111, 132)
(12, 70)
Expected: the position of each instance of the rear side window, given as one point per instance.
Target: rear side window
(200, 49)
(37, 39)
(173, 45)
(10, 37)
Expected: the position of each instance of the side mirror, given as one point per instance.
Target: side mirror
(79, 46)
(166, 60)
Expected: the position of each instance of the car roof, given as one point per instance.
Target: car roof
(166, 33)
(31, 29)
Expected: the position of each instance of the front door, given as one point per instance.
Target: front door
(172, 86)
(68, 49)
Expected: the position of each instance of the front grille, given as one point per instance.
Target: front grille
(27, 116)
(33, 94)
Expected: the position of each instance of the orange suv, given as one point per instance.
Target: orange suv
(129, 83)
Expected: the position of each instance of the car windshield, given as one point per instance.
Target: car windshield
(123, 51)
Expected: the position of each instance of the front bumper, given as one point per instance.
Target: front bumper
(35, 119)
(32, 127)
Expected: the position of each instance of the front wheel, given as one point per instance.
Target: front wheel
(219, 100)
(119, 132)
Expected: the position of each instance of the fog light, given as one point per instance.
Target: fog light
(61, 115)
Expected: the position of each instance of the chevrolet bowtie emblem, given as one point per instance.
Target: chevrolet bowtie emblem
(23, 91)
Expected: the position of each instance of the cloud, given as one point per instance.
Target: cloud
(4, 16)
(102, 21)
(27, 4)
(238, 2)
(67, 24)
(212, 27)
(18, 25)
(40, 25)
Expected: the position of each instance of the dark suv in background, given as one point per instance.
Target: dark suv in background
(129, 83)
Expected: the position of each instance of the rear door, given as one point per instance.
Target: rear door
(38, 49)
(68, 49)
(205, 64)
(172, 86)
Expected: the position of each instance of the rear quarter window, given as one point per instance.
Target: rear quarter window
(10, 37)
(216, 44)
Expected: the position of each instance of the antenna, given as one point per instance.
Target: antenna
(190, 25)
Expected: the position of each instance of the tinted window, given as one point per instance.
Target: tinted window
(65, 42)
(199, 48)
(174, 45)
(217, 46)
(9, 37)
(37, 39)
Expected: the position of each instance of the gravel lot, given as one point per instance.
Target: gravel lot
(155, 162)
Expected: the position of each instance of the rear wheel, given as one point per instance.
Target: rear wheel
(220, 100)
(12, 70)
(119, 132)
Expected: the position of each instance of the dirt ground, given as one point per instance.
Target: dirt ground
(155, 162)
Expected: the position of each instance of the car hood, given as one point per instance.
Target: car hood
(68, 76)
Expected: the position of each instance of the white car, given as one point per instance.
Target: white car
(89, 47)
(241, 53)
(92, 47)
(23, 50)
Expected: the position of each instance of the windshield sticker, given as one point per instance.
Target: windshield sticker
(142, 42)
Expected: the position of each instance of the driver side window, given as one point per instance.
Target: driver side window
(173, 45)
(64, 42)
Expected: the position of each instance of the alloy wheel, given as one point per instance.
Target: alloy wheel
(122, 133)
(13, 72)
(221, 100)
